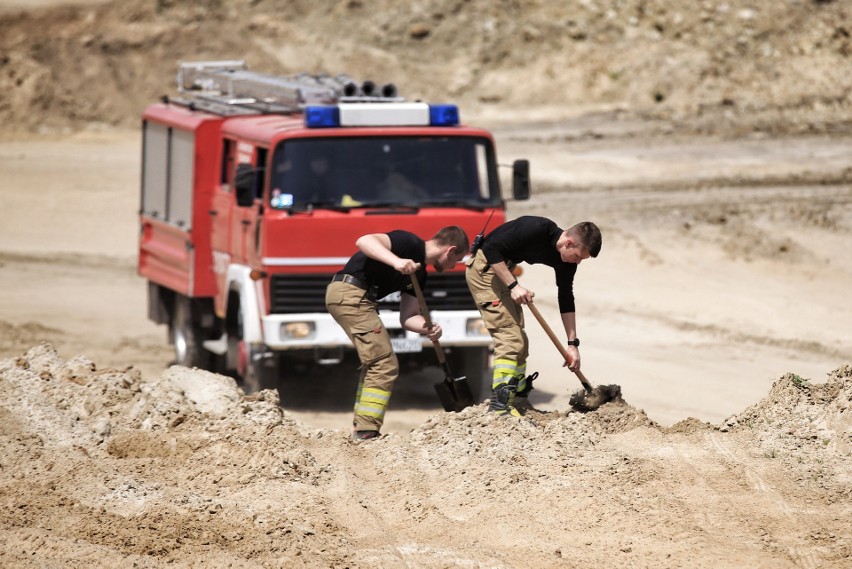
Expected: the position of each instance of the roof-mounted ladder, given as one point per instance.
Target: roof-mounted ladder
(229, 88)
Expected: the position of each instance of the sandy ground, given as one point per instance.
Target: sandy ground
(725, 264)
(725, 271)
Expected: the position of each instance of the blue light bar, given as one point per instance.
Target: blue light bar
(443, 115)
(322, 117)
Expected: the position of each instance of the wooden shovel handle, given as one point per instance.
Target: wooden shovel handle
(556, 342)
(424, 311)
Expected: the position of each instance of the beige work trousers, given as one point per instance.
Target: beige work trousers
(355, 312)
(503, 318)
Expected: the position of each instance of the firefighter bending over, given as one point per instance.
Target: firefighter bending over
(499, 296)
(379, 268)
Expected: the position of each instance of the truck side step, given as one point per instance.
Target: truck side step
(218, 347)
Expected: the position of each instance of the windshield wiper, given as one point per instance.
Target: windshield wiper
(300, 208)
(390, 207)
(456, 202)
(311, 206)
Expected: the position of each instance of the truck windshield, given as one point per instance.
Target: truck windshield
(412, 171)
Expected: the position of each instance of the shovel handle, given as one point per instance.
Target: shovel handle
(556, 342)
(424, 311)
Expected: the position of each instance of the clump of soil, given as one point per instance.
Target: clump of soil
(585, 401)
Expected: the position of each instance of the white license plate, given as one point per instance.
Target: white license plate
(406, 345)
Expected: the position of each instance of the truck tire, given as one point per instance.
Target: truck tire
(475, 364)
(251, 363)
(187, 336)
(256, 369)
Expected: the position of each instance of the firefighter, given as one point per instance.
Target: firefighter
(379, 268)
(499, 296)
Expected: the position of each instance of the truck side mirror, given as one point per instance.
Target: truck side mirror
(244, 184)
(521, 179)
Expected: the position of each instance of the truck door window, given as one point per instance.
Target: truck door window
(228, 167)
(260, 164)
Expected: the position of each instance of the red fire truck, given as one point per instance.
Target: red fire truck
(254, 190)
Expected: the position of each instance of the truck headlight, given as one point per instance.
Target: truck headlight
(297, 330)
(476, 327)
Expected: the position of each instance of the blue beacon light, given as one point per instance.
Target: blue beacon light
(443, 115)
(322, 116)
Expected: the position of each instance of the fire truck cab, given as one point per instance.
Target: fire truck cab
(254, 191)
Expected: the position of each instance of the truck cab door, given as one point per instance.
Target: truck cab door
(221, 213)
(248, 213)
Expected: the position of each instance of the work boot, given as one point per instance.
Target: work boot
(364, 435)
(502, 398)
(525, 385)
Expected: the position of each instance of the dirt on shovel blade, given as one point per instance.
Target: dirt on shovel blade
(585, 401)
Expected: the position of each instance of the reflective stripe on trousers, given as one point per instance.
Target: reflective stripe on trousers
(372, 402)
(356, 313)
(504, 370)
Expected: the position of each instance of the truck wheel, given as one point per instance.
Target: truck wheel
(187, 336)
(474, 364)
(256, 369)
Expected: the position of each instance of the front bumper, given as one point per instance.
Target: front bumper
(303, 331)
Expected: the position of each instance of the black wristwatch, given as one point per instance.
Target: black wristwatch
(574, 342)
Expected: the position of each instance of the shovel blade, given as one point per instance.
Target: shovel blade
(455, 394)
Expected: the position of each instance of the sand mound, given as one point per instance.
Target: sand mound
(805, 413)
(799, 420)
(100, 466)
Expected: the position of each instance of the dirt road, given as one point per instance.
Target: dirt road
(725, 263)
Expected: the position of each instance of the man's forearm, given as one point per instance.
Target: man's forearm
(569, 321)
(502, 272)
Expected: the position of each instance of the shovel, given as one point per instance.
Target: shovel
(454, 393)
(591, 397)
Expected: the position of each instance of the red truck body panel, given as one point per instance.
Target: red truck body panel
(304, 239)
(170, 255)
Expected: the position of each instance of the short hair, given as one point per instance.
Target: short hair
(452, 235)
(589, 235)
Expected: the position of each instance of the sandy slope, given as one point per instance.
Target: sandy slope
(732, 65)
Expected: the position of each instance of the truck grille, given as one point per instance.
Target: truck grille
(290, 294)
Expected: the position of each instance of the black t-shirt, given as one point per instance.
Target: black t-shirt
(531, 239)
(384, 279)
